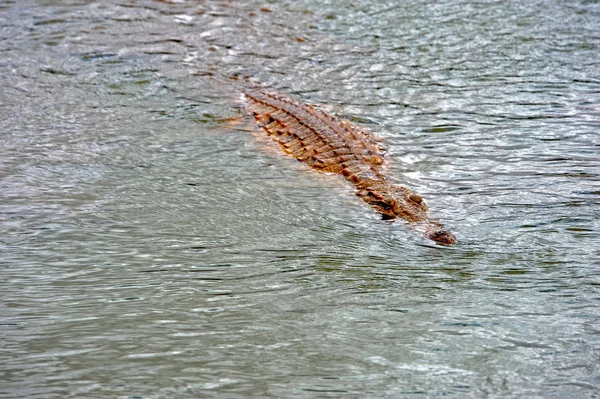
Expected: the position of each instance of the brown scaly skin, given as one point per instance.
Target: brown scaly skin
(330, 144)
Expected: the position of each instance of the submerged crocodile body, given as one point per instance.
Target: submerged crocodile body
(330, 144)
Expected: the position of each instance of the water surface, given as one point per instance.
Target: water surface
(153, 247)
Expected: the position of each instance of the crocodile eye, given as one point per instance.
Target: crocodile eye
(416, 198)
(383, 205)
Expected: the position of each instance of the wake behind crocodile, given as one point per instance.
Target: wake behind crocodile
(333, 145)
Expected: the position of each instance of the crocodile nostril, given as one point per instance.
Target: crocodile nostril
(442, 237)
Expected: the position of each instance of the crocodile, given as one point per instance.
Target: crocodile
(331, 144)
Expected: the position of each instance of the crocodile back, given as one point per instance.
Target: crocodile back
(323, 141)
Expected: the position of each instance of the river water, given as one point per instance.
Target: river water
(153, 246)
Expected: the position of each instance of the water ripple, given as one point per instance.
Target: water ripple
(151, 246)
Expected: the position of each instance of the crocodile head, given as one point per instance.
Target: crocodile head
(397, 201)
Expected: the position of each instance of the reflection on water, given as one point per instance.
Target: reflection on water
(151, 247)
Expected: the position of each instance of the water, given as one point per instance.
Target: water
(153, 246)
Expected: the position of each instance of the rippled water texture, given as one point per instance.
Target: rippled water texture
(154, 246)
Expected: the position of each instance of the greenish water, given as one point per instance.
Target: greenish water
(151, 248)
